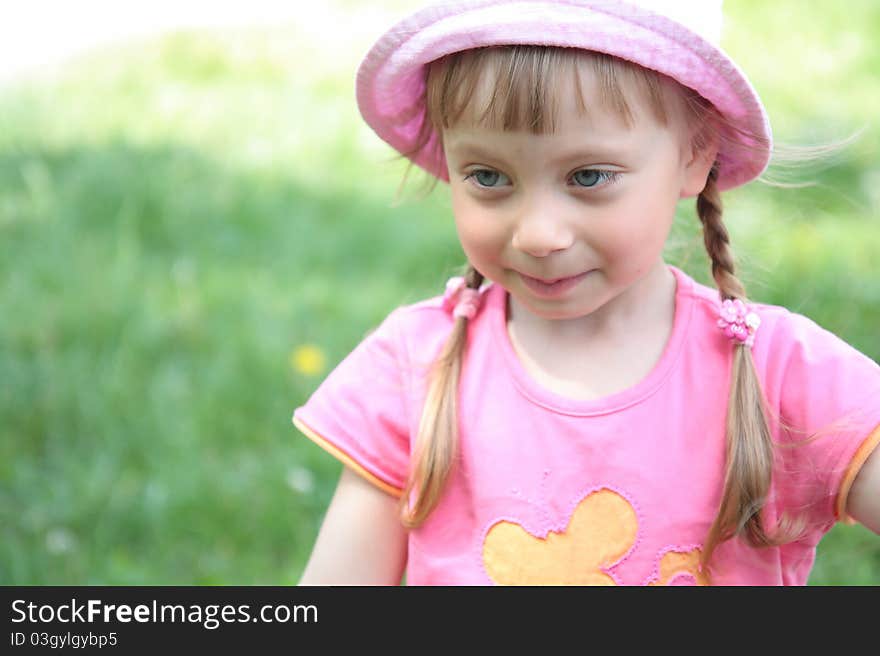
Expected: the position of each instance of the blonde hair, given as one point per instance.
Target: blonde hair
(522, 98)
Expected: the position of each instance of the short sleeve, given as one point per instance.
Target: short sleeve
(359, 414)
(829, 392)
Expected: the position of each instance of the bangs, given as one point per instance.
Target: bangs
(515, 88)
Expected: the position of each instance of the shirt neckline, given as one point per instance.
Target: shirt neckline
(540, 395)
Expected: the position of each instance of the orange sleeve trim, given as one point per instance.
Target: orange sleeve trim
(855, 466)
(346, 459)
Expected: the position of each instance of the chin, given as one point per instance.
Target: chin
(554, 312)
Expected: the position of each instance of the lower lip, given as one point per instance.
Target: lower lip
(555, 289)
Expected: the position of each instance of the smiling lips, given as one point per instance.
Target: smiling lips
(552, 288)
(550, 282)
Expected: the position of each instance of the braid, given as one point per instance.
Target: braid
(437, 438)
(473, 278)
(717, 240)
(749, 443)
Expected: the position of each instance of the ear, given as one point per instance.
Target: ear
(698, 159)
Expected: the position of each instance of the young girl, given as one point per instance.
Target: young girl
(573, 410)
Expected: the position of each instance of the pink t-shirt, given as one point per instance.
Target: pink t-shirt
(617, 490)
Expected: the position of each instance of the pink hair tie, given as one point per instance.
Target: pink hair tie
(461, 299)
(738, 321)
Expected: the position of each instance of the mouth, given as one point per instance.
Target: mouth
(553, 281)
(553, 286)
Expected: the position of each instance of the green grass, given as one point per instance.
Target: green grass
(178, 215)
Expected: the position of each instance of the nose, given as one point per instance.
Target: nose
(542, 230)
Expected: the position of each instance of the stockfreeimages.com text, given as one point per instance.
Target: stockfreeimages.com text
(210, 616)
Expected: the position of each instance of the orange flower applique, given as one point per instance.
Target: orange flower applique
(602, 530)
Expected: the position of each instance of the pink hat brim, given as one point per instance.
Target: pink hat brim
(391, 78)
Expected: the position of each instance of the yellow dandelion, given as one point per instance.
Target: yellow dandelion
(308, 359)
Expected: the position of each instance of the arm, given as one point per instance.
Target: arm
(863, 503)
(361, 541)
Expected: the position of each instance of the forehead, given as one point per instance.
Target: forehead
(578, 127)
(578, 91)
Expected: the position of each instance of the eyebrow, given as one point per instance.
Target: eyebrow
(465, 148)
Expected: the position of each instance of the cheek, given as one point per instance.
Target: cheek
(640, 223)
(478, 230)
(618, 238)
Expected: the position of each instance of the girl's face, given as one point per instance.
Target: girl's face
(595, 199)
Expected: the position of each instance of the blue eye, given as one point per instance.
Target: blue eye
(585, 178)
(594, 177)
(485, 177)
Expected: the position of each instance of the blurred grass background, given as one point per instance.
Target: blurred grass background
(195, 228)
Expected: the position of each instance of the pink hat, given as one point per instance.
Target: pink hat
(678, 38)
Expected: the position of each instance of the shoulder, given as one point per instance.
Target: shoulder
(428, 317)
(708, 303)
(417, 320)
(782, 333)
(418, 330)
(703, 313)
(798, 361)
(793, 340)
